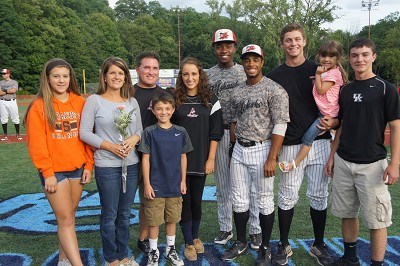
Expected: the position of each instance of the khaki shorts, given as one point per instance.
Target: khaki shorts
(361, 186)
(160, 210)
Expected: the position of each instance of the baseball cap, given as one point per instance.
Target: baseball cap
(224, 35)
(252, 48)
(5, 71)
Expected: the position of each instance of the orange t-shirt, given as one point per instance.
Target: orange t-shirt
(58, 149)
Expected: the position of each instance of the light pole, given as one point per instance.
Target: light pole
(178, 12)
(368, 5)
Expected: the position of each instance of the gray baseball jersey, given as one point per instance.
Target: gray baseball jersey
(257, 108)
(5, 85)
(223, 81)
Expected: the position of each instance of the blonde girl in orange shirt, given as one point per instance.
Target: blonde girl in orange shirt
(64, 162)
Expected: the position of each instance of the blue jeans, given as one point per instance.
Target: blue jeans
(61, 176)
(115, 209)
(312, 133)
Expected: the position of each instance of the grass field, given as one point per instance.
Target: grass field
(19, 177)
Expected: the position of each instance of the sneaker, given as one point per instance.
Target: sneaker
(190, 252)
(19, 137)
(130, 262)
(64, 262)
(238, 249)
(173, 257)
(321, 254)
(152, 260)
(264, 256)
(255, 241)
(223, 237)
(4, 138)
(346, 262)
(282, 255)
(144, 245)
(198, 245)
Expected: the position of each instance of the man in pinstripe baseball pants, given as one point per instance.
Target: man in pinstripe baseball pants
(224, 78)
(260, 112)
(296, 76)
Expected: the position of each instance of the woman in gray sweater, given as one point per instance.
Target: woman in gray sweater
(111, 123)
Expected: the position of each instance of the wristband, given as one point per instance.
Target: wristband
(231, 146)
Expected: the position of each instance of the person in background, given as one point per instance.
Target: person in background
(99, 130)
(8, 103)
(64, 162)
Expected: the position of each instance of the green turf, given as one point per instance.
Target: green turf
(18, 176)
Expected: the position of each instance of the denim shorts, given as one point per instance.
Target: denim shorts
(61, 176)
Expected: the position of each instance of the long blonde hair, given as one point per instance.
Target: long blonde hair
(46, 93)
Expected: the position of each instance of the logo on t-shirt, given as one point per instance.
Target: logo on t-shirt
(150, 106)
(357, 97)
(192, 113)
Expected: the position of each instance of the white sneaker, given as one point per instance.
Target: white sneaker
(172, 256)
(153, 257)
(64, 262)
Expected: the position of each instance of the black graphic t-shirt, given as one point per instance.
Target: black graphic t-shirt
(365, 108)
(203, 125)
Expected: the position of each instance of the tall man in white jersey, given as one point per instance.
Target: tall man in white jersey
(224, 78)
(296, 76)
(8, 103)
(361, 173)
(147, 69)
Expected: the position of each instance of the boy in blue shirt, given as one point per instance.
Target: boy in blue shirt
(164, 147)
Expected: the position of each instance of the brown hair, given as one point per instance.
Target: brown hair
(127, 89)
(361, 42)
(203, 89)
(334, 48)
(164, 97)
(45, 91)
(146, 54)
(292, 27)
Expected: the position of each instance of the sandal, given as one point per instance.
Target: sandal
(285, 166)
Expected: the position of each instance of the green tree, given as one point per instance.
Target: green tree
(12, 42)
(105, 41)
(271, 16)
(130, 9)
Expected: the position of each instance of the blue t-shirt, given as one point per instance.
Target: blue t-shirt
(165, 147)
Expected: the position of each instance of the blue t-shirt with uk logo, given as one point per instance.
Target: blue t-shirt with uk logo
(165, 147)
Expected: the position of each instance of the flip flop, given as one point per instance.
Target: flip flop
(284, 166)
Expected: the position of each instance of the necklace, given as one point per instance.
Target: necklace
(193, 99)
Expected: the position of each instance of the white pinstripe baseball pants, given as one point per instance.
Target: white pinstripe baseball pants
(247, 168)
(312, 167)
(224, 191)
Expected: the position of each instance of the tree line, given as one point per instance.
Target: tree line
(85, 32)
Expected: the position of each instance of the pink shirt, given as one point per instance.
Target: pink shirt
(328, 104)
